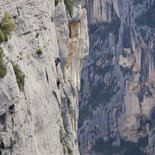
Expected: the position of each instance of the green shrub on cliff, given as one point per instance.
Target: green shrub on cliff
(20, 77)
(39, 51)
(7, 25)
(70, 6)
(2, 36)
(3, 69)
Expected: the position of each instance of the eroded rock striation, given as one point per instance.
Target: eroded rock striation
(39, 99)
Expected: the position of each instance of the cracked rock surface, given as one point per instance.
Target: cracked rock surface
(42, 119)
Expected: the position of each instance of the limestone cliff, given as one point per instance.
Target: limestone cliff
(36, 116)
(117, 101)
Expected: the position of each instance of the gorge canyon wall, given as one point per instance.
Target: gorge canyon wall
(117, 101)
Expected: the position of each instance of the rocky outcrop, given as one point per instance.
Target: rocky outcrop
(117, 96)
(42, 118)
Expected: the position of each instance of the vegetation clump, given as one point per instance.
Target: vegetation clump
(136, 2)
(20, 77)
(103, 30)
(100, 95)
(2, 36)
(39, 51)
(85, 112)
(129, 148)
(112, 27)
(56, 2)
(3, 68)
(148, 18)
(7, 26)
(70, 6)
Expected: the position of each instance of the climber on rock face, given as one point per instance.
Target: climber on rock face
(57, 61)
(58, 83)
(2, 145)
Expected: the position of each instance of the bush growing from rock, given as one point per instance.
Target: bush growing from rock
(3, 68)
(70, 6)
(2, 36)
(39, 51)
(7, 25)
(20, 77)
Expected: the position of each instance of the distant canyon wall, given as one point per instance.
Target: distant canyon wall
(117, 98)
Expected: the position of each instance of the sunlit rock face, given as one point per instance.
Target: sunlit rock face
(118, 80)
(42, 119)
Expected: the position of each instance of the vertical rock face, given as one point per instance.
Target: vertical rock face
(42, 119)
(117, 96)
(101, 11)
